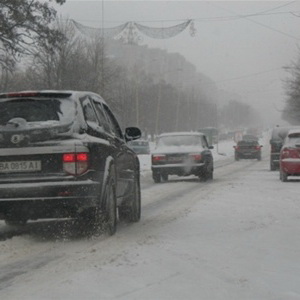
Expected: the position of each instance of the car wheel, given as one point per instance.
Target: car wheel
(15, 222)
(204, 174)
(95, 220)
(165, 176)
(131, 210)
(283, 176)
(272, 166)
(110, 206)
(259, 157)
(236, 157)
(156, 177)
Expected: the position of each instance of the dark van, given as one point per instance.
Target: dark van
(277, 137)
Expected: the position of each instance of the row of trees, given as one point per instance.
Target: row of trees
(59, 58)
(291, 112)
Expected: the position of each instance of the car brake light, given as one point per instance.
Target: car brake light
(158, 157)
(196, 156)
(82, 156)
(75, 163)
(257, 147)
(69, 157)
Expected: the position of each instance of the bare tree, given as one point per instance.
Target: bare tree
(24, 23)
(239, 115)
(291, 112)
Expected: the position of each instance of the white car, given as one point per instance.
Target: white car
(182, 154)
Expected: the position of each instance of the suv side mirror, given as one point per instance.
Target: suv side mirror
(132, 133)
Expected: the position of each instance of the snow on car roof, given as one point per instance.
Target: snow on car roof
(37, 93)
(293, 131)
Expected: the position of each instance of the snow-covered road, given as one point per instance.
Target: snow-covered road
(232, 238)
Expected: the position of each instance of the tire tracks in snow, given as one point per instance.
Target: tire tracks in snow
(161, 204)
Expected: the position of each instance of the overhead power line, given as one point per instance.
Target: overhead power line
(256, 22)
(280, 6)
(248, 75)
(129, 29)
(200, 19)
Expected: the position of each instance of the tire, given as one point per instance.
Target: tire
(110, 206)
(131, 210)
(156, 177)
(236, 157)
(272, 166)
(207, 173)
(204, 175)
(165, 176)
(259, 157)
(15, 222)
(283, 176)
(95, 220)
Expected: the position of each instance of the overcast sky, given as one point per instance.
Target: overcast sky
(241, 45)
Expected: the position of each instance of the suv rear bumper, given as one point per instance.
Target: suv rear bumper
(47, 200)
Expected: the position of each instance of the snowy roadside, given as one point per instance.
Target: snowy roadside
(231, 239)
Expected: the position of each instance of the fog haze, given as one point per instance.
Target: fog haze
(242, 46)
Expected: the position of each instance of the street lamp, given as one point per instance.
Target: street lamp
(159, 97)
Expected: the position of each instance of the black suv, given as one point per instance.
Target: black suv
(63, 154)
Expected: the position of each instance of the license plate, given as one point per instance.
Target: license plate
(20, 166)
(174, 159)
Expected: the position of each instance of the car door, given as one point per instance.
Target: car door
(127, 159)
(98, 138)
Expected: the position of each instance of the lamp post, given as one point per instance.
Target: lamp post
(159, 98)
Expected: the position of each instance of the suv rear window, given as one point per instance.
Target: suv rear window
(56, 111)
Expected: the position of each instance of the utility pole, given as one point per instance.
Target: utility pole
(102, 52)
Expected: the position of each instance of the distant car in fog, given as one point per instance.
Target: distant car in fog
(140, 146)
(249, 137)
(289, 161)
(182, 154)
(211, 134)
(247, 149)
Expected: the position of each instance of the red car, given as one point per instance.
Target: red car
(289, 160)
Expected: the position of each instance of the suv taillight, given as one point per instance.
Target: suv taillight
(75, 163)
